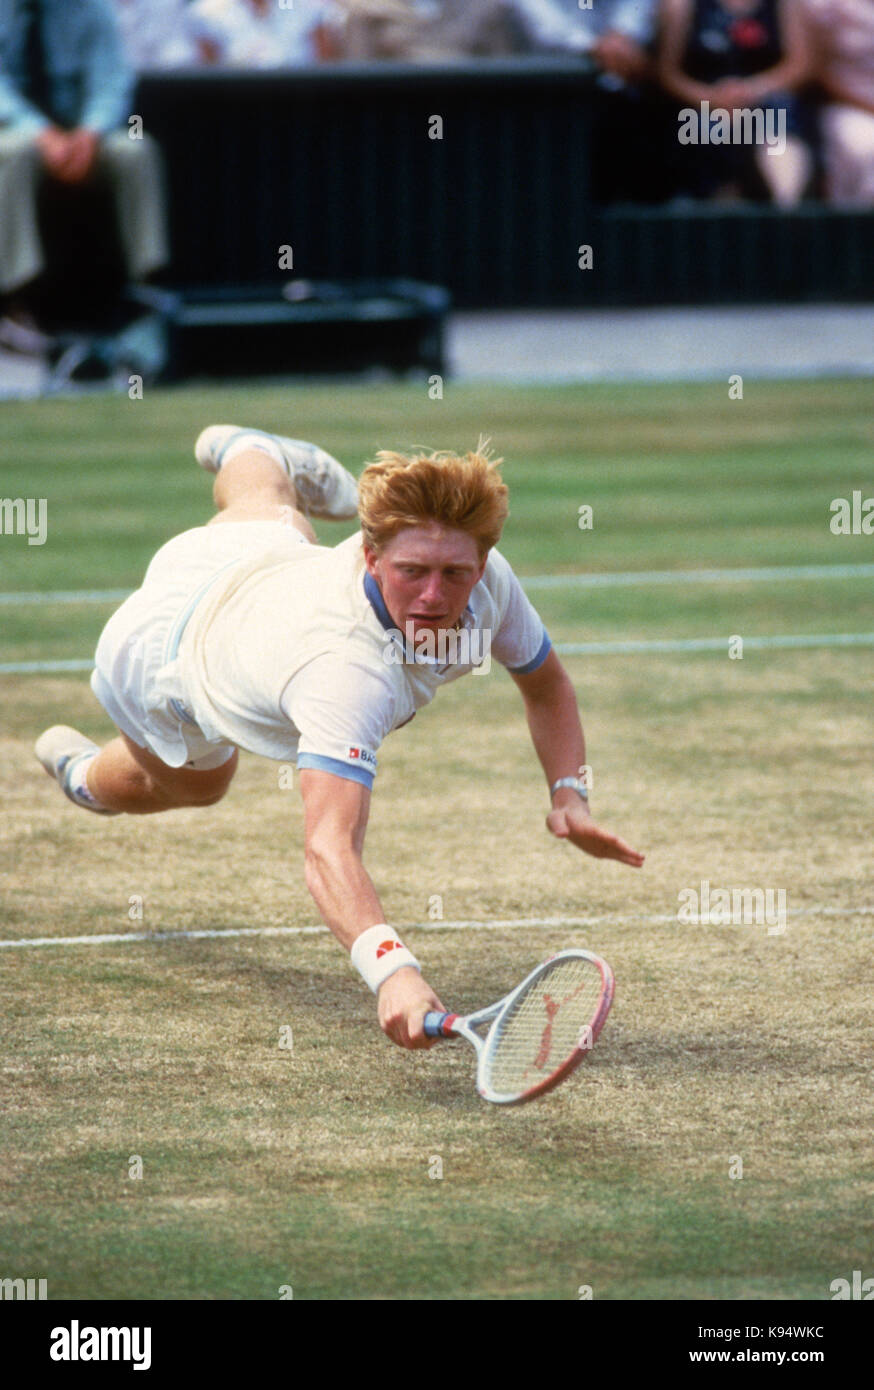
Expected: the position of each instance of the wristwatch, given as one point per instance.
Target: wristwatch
(576, 782)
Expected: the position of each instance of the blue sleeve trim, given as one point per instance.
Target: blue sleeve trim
(543, 653)
(319, 763)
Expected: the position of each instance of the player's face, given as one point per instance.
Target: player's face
(426, 574)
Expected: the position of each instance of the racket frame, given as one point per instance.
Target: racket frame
(464, 1026)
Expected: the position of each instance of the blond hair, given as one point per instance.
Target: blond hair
(463, 491)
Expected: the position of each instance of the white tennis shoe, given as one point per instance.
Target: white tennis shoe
(324, 486)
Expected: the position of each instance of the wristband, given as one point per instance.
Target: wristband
(378, 953)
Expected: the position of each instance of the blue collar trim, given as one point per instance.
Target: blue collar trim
(377, 602)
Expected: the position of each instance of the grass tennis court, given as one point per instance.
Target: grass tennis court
(729, 1050)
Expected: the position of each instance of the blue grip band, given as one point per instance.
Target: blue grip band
(434, 1025)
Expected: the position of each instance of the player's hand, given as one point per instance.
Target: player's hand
(403, 1002)
(573, 822)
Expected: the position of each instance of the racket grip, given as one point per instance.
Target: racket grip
(439, 1025)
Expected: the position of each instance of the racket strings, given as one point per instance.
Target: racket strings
(546, 1025)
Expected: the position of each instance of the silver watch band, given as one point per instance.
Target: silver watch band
(575, 782)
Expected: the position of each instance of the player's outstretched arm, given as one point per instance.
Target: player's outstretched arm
(335, 811)
(557, 735)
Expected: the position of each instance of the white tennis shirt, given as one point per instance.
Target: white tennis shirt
(292, 654)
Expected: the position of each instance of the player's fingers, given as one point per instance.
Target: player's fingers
(625, 850)
(416, 1031)
(397, 1032)
(603, 845)
(409, 1035)
(626, 855)
(411, 1038)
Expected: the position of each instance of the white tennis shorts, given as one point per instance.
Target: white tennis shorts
(142, 637)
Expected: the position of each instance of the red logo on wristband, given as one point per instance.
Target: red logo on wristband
(388, 946)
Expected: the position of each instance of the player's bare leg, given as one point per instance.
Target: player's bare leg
(125, 777)
(254, 487)
(122, 776)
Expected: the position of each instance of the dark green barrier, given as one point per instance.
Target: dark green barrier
(337, 164)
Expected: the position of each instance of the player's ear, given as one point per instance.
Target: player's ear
(370, 559)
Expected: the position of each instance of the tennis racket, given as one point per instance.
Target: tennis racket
(540, 1031)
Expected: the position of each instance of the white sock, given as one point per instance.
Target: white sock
(246, 440)
(76, 787)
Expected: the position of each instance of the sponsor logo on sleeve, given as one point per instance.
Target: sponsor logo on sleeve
(362, 755)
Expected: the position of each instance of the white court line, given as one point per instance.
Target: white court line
(777, 573)
(619, 579)
(498, 924)
(26, 668)
(656, 646)
(66, 596)
(714, 644)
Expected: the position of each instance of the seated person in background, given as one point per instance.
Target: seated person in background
(842, 33)
(614, 33)
(739, 55)
(256, 33)
(430, 30)
(154, 34)
(65, 93)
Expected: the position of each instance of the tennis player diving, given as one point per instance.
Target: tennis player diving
(248, 634)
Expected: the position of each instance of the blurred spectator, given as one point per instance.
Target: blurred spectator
(740, 55)
(627, 140)
(616, 34)
(257, 33)
(627, 136)
(843, 41)
(383, 28)
(154, 33)
(427, 31)
(65, 91)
